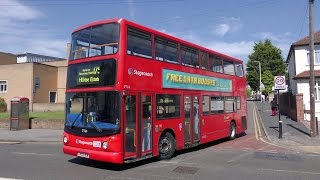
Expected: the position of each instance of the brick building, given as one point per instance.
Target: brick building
(40, 78)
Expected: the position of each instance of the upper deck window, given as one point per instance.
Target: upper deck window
(239, 69)
(166, 50)
(228, 67)
(95, 41)
(215, 63)
(204, 60)
(139, 43)
(189, 56)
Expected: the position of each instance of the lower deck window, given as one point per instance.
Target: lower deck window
(168, 106)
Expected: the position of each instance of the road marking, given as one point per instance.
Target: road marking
(9, 142)
(236, 158)
(2, 178)
(254, 122)
(288, 171)
(37, 154)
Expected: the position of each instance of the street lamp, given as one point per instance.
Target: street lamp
(260, 75)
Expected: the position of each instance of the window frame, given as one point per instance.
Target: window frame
(220, 111)
(168, 43)
(233, 73)
(206, 112)
(165, 115)
(4, 86)
(194, 53)
(137, 31)
(215, 58)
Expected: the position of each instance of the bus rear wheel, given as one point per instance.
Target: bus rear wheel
(233, 131)
(167, 146)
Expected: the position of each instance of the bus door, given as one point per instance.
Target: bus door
(138, 125)
(191, 120)
(146, 124)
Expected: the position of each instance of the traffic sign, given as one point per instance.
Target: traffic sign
(279, 82)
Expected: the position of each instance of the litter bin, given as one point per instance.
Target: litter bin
(19, 116)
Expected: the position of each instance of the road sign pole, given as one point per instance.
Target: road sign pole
(280, 122)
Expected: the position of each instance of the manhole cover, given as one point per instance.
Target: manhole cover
(186, 170)
(277, 156)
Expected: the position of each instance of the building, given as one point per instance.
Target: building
(7, 58)
(40, 78)
(299, 72)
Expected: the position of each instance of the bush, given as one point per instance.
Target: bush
(3, 105)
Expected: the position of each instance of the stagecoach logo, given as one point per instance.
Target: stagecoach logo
(83, 142)
(93, 143)
(132, 71)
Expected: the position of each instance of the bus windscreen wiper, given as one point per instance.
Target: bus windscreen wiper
(96, 127)
(73, 122)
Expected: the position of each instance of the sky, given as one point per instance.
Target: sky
(231, 27)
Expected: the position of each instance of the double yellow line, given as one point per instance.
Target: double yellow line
(257, 128)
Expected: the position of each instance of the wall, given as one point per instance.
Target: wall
(19, 77)
(48, 82)
(61, 84)
(42, 107)
(7, 58)
(62, 78)
(292, 106)
(292, 73)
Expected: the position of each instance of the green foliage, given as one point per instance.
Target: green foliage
(249, 91)
(3, 105)
(271, 60)
(268, 81)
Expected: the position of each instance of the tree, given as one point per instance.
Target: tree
(267, 80)
(271, 60)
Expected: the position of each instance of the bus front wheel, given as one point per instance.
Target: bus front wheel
(167, 146)
(233, 131)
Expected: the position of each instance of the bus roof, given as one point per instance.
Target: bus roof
(156, 32)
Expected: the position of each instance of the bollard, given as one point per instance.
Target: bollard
(280, 129)
(317, 128)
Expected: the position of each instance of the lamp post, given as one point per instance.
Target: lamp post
(260, 75)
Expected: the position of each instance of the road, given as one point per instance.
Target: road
(247, 157)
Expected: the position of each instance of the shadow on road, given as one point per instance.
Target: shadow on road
(292, 126)
(123, 167)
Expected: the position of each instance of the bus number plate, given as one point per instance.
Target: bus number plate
(84, 155)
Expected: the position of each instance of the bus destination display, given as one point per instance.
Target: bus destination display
(89, 75)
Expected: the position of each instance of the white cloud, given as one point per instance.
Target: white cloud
(222, 29)
(19, 33)
(235, 49)
(14, 9)
(227, 25)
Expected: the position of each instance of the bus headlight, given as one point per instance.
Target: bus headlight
(65, 139)
(105, 145)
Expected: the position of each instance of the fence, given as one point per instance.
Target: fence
(292, 106)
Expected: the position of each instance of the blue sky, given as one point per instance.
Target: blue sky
(230, 26)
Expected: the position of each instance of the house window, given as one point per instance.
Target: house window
(317, 90)
(37, 81)
(3, 86)
(316, 56)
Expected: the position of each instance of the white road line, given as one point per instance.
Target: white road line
(37, 154)
(236, 158)
(9, 142)
(288, 171)
(2, 178)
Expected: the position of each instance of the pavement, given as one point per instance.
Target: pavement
(30, 135)
(295, 135)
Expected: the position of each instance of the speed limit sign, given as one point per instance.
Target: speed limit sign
(279, 82)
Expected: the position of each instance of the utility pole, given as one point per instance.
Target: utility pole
(311, 55)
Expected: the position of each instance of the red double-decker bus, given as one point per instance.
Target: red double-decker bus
(134, 93)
